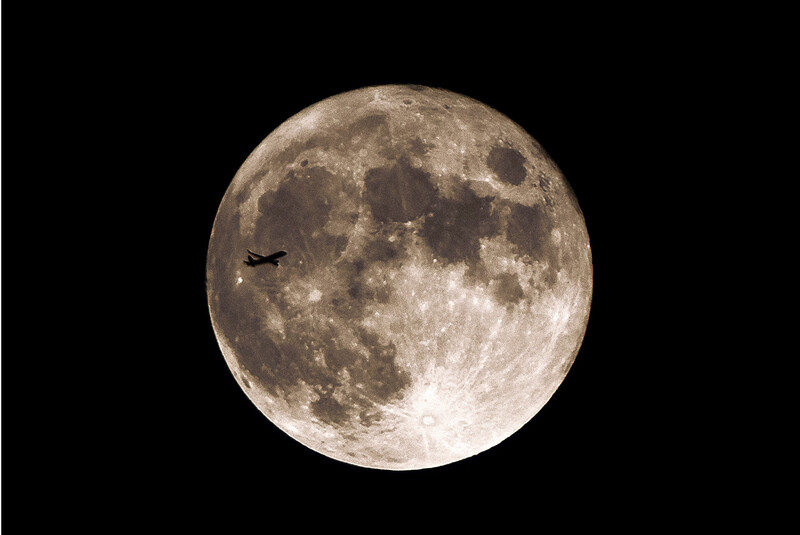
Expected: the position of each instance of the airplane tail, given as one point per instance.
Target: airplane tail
(249, 261)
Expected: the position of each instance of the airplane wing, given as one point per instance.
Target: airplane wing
(273, 256)
(259, 256)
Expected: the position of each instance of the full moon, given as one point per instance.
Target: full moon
(437, 284)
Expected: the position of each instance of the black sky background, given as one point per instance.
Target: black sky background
(143, 411)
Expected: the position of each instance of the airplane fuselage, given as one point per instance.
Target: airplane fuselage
(261, 259)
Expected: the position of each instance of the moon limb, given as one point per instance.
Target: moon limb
(405, 334)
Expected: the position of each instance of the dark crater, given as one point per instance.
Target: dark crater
(507, 164)
(507, 290)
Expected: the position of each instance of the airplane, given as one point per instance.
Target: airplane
(261, 259)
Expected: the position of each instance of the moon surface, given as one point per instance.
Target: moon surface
(437, 284)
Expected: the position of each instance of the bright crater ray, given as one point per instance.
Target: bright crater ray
(437, 286)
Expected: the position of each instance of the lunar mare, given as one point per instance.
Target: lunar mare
(437, 286)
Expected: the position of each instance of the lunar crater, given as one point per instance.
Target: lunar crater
(507, 164)
(437, 285)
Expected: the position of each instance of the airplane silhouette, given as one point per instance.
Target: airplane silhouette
(261, 259)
